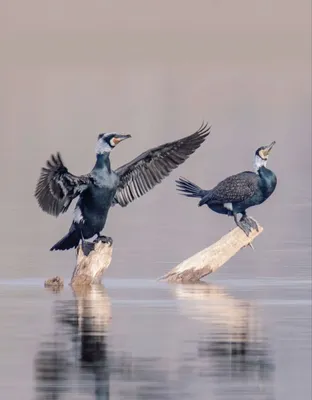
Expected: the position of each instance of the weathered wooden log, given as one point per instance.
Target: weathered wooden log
(211, 258)
(91, 266)
(55, 284)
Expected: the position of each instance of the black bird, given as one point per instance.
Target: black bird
(236, 193)
(103, 187)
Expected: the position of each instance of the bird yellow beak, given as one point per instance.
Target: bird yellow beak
(120, 138)
(266, 151)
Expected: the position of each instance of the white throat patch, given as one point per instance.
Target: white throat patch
(102, 147)
(258, 163)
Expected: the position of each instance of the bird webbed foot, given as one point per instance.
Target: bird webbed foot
(249, 221)
(243, 224)
(86, 247)
(245, 227)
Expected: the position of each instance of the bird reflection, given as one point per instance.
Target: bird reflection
(78, 359)
(227, 358)
(78, 351)
(232, 340)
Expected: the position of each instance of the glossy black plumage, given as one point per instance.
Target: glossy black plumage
(103, 187)
(147, 170)
(57, 187)
(235, 194)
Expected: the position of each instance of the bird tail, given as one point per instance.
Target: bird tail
(68, 241)
(189, 189)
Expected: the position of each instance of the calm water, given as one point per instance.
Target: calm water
(137, 339)
(70, 70)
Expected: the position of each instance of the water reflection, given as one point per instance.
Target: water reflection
(232, 341)
(221, 355)
(75, 358)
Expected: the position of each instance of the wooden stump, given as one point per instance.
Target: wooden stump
(90, 268)
(212, 258)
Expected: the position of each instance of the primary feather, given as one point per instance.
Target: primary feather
(147, 170)
(56, 187)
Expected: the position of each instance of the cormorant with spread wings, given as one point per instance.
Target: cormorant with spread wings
(103, 187)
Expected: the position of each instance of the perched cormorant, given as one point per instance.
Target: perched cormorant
(103, 187)
(236, 193)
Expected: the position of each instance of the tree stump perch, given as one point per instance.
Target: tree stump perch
(90, 268)
(211, 258)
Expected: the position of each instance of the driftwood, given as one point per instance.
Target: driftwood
(55, 284)
(212, 258)
(92, 263)
(90, 268)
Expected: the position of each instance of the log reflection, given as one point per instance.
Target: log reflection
(232, 340)
(75, 359)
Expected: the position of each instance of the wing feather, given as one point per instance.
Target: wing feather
(56, 187)
(236, 188)
(147, 170)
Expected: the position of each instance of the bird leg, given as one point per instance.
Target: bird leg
(86, 246)
(104, 239)
(245, 227)
(252, 223)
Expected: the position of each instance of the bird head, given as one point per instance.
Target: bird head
(262, 155)
(107, 141)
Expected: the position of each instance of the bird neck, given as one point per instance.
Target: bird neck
(103, 161)
(268, 179)
(259, 163)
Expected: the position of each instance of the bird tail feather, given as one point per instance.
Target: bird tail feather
(189, 189)
(68, 241)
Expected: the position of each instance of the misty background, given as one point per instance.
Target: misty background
(70, 70)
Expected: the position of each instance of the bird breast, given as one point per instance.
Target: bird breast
(106, 179)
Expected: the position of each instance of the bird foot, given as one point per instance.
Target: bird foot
(86, 247)
(245, 227)
(104, 239)
(251, 222)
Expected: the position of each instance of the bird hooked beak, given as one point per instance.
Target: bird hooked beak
(119, 138)
(267, 149)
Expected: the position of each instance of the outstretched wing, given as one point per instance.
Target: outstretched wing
(235, 188)
(151, 167)
(56, 187)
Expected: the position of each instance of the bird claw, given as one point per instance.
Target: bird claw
(105, 239)
(245, 227)
(86, 247)
(251, 223)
